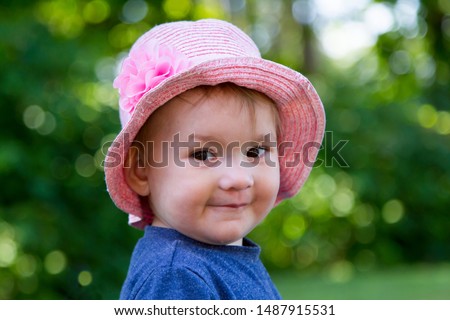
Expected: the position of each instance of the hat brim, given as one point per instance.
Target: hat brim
(300, 109)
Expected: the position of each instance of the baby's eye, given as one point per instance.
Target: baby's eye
(256, 152)
(203, 155)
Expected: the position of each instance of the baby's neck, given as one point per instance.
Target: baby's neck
(236, 243)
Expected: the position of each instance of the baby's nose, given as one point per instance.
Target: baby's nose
(236, 177)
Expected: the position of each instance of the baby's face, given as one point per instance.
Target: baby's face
(214, 173)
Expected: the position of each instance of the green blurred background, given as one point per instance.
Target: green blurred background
(373, 220)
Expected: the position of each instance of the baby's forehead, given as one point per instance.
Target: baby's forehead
(226, 98)
(228, 92)
(203, 104)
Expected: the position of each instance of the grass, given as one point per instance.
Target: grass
(420, 282)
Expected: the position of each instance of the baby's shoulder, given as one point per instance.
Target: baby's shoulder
(158, 253)
(167, 271)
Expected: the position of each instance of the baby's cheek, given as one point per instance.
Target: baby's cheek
(272, 186)
(272, 176)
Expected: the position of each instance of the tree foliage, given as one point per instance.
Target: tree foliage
(379, 195)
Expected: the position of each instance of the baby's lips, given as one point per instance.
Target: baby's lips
(231, 205)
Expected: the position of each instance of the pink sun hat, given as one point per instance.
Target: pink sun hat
(174, 57)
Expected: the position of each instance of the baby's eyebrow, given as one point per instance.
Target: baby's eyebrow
(259, 137)
(205, 138)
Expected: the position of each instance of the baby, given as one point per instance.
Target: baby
(213, 138)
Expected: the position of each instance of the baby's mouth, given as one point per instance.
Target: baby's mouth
(231, 205)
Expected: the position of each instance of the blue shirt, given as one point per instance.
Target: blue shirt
(168, 265)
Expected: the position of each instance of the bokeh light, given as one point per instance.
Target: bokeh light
(427, 116)
(341, 271)
(379, 18)
(55, 262)
(34, 117)
(393, 211)
(63, 17)
(8, 245)
(85, 165)
(85, 278)
(177, 9)
(363, 215)
(26, 265)
(8, 248)
(342, 202)
(134, 11)
(294, 227)
(96, 11)
(400, 62)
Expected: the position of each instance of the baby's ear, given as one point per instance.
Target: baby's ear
(135, 171)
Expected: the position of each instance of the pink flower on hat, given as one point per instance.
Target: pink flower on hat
(145, 67)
